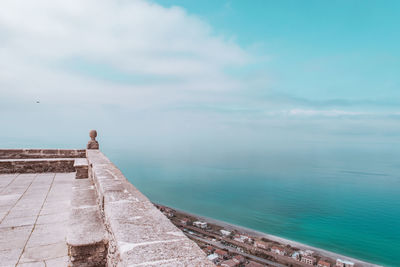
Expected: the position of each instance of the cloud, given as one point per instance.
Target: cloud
(135, 68)
(328, 113)
(126, 52)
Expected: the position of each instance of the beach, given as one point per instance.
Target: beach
(280, 240)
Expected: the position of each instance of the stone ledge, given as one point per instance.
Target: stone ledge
(139, 234)
(80, 162)
(81, 166)
(37, 165)
(86, 236)
(41, 153)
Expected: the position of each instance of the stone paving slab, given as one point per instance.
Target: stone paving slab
(9, 256)
(34, 212)
(45, 252)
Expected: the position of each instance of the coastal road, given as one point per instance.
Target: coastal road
(230, 249)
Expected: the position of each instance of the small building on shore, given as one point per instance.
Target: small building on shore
(225, 232)
(209, 249)
(260, 244)
(202, 225)
(344, 263)
(239, 259)
(185, 221)
(254, 264)
(242, 238)
(308, 260)
(213, 257)
(323, 263)
(278, 250)
(296, 256)
(229, 263)
(306, 252)
(222, 254)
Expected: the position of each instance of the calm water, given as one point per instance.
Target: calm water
(346, 201)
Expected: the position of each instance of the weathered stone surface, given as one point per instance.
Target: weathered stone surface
(6, 180)
(9, 199)
(55, 207)
(9, 257)
(18, 221)
(81, 166)
(32, 264)
(36, 165)
(57, 262)
(19, 227)
(86, 237)
(44, 252)
(138, 232)
(60, 217)
(14, 237)
(41, 153)
(47, 234)
(180, 250)
(110, 221)
(22, 213)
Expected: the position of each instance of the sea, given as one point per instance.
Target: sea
(345, 199)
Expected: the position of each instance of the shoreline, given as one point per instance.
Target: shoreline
(281, 240)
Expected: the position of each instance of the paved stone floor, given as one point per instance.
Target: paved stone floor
(34, 210)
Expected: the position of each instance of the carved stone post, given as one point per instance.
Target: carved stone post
(93, 144)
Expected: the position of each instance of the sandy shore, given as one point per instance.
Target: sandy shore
(280, 240)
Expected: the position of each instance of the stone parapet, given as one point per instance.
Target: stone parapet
(41, 153)
(37, 165)
(138, 233)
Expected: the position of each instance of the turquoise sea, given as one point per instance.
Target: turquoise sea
(345, 199)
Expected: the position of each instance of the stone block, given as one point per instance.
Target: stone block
(181, 250)
(17, 222)
(53, 218)
(47, 234)
(44, 252)
(57, 262)
(14, 238)
(9, 257)
(86, 237)
(82, 168)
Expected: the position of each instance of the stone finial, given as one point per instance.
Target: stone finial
(93, 144)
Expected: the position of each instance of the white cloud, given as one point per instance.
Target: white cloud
(177, 52)
(64, 52)
(327, 113)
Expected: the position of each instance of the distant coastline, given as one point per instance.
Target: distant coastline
(284, 241)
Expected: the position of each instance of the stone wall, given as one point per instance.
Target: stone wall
(37, 165)
(39, 160)
(41, 153)
(138, 233)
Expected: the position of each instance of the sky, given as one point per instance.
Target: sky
(181, 75)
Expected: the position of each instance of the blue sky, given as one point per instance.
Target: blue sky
(317, 50)
(237, 73)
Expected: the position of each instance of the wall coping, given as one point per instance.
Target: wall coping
(33, 153)
(139, 234)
